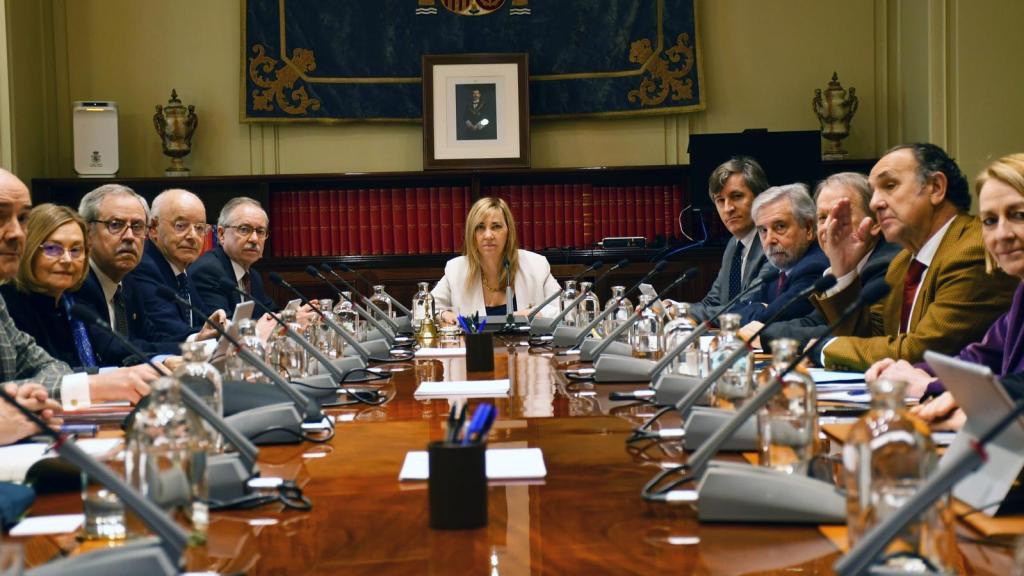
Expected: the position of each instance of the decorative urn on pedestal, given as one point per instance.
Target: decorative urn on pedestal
(835, 108)
(176, 124)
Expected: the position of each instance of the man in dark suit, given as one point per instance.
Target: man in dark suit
(176, 231)
(242, 230)
(117, 218)
(733, 187)
(784, 217)
(856, 190)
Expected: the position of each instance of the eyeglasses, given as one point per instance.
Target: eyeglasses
(56, 251)
(182, 226)
(117, 227)
(246, 231)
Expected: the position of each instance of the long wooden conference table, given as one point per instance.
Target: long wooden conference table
(585, 517)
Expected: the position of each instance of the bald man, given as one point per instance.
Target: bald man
(177, 227)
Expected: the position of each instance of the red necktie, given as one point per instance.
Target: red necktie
(778, 287)
(910, 283)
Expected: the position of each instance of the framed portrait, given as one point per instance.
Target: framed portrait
(476, 111)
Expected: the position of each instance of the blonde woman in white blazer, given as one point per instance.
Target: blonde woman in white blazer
(476, 281)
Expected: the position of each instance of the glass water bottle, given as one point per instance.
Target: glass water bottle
(646, 334)
(422, 306)
(787, 426)
(588, 308)
(285, 354)
(238, 369)
(886, 458)
(204, 380)
(348, 318)
(382, 301)
(623, 310)
(568, 295)
(676, 331)
(736, 384)
(167, 454)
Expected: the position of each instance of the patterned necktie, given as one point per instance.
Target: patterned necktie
(246, 285)
(910, 283)
(781, 282)
(82, 344)
(736, 271)
(120, 312)
(183, 292)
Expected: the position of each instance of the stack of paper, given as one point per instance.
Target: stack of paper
(468, 388)
(502, 464)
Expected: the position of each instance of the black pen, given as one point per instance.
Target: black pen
(452, 429)
(458, 423)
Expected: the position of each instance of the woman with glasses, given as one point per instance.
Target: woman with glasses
(53, 265)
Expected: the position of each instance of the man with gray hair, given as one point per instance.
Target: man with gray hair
(117, 219)
(784, 217)
(855, 189)
(242, 230)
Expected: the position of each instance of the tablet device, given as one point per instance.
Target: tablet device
(984, 401)
(650, 292)
(293, 304)
(242, 310)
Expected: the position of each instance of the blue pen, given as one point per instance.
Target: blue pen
(80, 429)
(485, 428)
(482, 417)
(483, 323)
(462, 322)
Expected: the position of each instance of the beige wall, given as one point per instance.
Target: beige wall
(762, 62)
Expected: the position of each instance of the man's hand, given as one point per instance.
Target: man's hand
(940, 408)
(34, 397)
(129, 384)
(305, 315)
(876, 369)
(219, 317)
(917, 380)
(846, 242)
(265, 327)
(749, 330)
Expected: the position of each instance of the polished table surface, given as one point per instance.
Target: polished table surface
(585, 517)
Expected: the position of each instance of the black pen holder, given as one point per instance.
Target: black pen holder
(479, 352)
(457, 486)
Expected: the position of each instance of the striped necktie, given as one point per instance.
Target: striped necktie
(736, 271)
(83, 347)
(183, 292)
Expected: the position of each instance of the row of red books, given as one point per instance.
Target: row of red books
(431, 220)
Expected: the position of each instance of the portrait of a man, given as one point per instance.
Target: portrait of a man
(477, 113)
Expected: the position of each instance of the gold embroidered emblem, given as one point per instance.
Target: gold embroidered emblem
(276, 83)
(660, 78)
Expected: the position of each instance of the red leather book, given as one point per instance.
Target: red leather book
(525, 221)
(399, 210)
(600, 212)
(351, 208)
(434, 221)
(365, 241)
(460, 204)
(324, 221)
(659, 211)
(446, 200)
(618, 212)
(631, 217)
(584, 237)
(375, 243)
(515, 204)
(423, 219)
(291, 223)
(304, 229)
(550, 217)
(412, 230)
(336, 226)
(276, 215)
(677, 207)
(387, 222)
(650, 218)
(560, 217)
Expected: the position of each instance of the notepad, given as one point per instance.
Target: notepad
(440, 352)
(502, 464)
(16, 459)
(58, 524)
(470, 388)
(834, 377)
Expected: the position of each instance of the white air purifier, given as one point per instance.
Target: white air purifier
(95, 135)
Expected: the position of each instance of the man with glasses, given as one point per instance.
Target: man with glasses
(242, 230)
(117, 218)
(177, 228)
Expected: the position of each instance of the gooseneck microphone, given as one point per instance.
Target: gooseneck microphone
(399, 325)
(306, 406)
(734, 492)
(394, 302)
(614, 335)
(337, 376)
(529, 317)
(545, 325)
(685, 403)
(510, 320)
(172, 537)
(628, 369)
(227, 481)
(563, 334)
(363, 313)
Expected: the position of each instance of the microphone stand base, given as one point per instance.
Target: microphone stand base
(612, 368)
(254, 423)
(704, 422)
(564, 336)
(669, 389)
(737, 492)
(137, 557)
(617, 348)
(228, 477)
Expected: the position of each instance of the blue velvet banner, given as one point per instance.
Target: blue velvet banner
(317, 60)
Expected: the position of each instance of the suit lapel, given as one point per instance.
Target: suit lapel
(930, 283)
(229, 270)
(753, 260)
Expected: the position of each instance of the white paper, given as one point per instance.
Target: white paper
(469, 388)
(502, 464)
(943, 438)
(821, 376)
(440, 352)
(38, 525)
